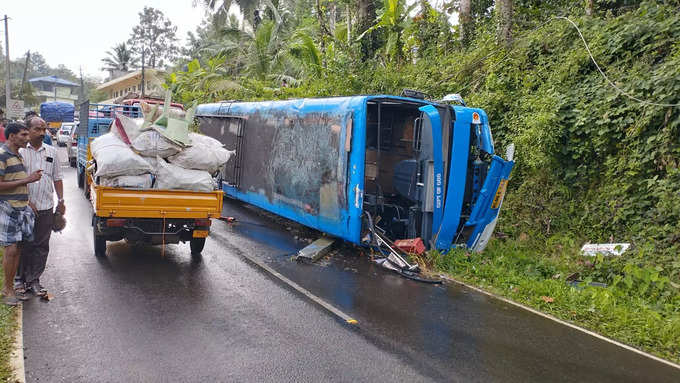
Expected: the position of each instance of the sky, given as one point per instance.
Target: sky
(79, 32)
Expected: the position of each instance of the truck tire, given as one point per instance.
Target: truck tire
(196, 245)
(99, 244)
(81, 178)
(86, 189)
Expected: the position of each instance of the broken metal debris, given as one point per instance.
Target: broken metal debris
(394, 258)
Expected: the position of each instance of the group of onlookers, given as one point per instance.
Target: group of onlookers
(30, 174)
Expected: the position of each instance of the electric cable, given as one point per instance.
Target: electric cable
(605, 76)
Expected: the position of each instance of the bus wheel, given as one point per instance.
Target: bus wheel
(197, 245)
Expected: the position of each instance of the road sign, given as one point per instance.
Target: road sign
(15, 109)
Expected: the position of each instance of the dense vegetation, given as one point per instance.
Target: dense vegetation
(592, 164)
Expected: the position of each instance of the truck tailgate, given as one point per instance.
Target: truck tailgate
(136, 203)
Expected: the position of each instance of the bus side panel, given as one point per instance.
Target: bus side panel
(295, 161)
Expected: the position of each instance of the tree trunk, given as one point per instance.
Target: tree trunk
(504, 9)
(465, 22)
(365, 18)
(589, 7)
(332, 16)
(349, 25)
(322, 27)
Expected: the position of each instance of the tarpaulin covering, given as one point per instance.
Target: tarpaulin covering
(56, 111)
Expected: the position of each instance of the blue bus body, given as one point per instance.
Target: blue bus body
(418, 168)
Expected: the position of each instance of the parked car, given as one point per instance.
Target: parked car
(64, 134)
(72, 147)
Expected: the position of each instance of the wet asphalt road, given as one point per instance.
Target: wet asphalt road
(144, 315)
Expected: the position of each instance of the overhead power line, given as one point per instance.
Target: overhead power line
(641, 101)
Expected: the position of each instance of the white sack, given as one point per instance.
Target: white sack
(151, 143)
(143, 181)
(115, 158)
(153, 161)
(169, 176)
(205, 153)
(197, 138)
(131, 127)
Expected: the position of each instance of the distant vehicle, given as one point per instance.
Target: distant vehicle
(72, 147)
(64, 133)
(55, 113)
(151, 101)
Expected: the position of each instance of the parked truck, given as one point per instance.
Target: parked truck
(146, 216)
(55, 113)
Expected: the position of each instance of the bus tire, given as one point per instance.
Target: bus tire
(197, 245)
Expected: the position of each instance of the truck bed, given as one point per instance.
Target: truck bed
(153, 203)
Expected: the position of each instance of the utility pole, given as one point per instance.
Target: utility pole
(143, 81)
(81, 94)
(8, 87)
(23, 78)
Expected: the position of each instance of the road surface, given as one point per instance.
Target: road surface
(146, 315)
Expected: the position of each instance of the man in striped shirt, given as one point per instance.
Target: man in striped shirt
(16, 218)
(40, 156)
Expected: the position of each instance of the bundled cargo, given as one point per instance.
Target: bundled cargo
(134, 153)
(205, 153)
(115, 158)
(171, 176)
(153, 144)
(144, 181)
(57, 111)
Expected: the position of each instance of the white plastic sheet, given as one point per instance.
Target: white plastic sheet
(115, 158)
(205, 153)
(151, 144)
(143, 181)
(169, 176)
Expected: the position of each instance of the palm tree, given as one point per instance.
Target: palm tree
(220, 9)
(119, 59)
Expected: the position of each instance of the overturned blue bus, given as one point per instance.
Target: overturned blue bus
(418, 168)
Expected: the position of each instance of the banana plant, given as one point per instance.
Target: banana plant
(393, 19)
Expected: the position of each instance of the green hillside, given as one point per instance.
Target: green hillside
(593, 164)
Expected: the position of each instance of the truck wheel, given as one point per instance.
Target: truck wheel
(196, 245)
(99, 244)
(81, 178)
(86, 189)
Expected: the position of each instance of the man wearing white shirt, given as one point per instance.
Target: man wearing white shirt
(40, 156)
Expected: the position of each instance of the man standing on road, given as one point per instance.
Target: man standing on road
(16, 217)
(39, 156)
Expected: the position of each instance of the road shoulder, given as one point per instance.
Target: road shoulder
(16, 358)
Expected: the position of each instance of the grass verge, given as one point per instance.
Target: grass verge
(638, 306)
(8, 325)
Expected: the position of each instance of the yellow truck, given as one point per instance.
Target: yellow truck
(146, 216)
(155, 217)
